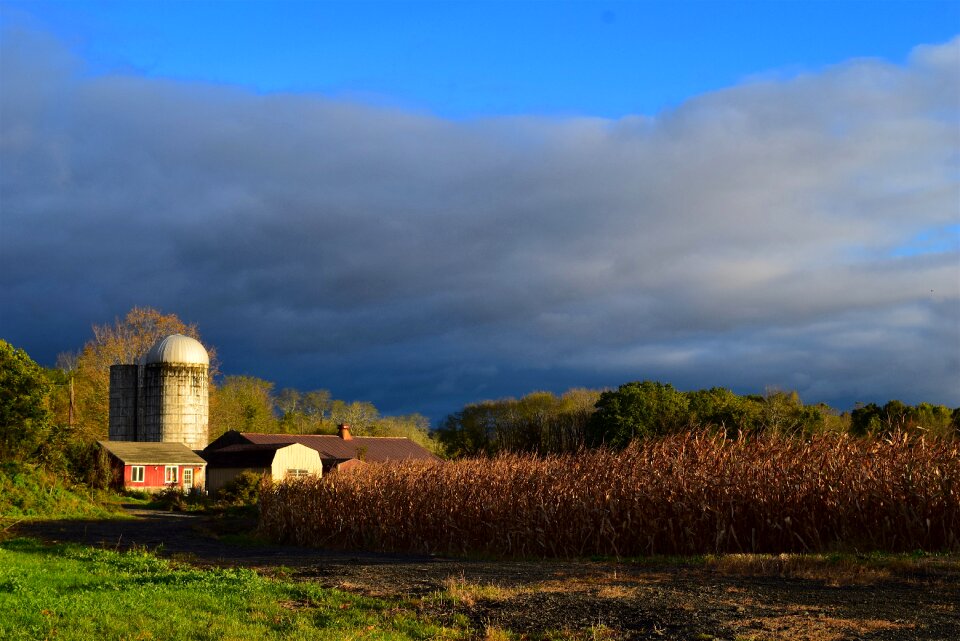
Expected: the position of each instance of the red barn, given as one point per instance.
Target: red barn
(151, 467)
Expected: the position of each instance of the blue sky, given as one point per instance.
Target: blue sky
(424, 205)
(463, 59)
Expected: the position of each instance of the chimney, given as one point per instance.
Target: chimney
(343, 431)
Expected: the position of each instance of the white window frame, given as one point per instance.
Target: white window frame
(167, 475)
(297, 473)
(136, 473)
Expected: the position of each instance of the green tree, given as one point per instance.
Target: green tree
(242, 403)
(415, 427)
(784, 413)
(639, 410)
(25, 419)
(719, 407)
(469, 431)
(303, 412)
(935, 420)
(361, 416)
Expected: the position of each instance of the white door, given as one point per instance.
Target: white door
(187, 479)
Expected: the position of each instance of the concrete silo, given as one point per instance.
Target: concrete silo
(173, 403)
(124, 390)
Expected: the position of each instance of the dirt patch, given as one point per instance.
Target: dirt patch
(577, 599)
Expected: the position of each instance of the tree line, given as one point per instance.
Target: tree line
(69, 407)
(545, 423)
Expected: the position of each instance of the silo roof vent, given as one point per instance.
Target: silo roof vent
(177, 348)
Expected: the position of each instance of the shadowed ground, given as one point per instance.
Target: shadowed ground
(742, 599)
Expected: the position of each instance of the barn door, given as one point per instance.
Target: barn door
(187, 479)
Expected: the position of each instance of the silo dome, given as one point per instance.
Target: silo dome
(179, 349)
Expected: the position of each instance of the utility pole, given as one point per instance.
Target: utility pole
(70, 416)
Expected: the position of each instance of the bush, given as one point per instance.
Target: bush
(243, 490)
(30, 491)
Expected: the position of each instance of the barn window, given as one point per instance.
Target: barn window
(170, 474)
(136, 474)
(296, 474)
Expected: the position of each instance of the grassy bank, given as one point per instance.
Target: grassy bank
(30, 492)
(71, 592)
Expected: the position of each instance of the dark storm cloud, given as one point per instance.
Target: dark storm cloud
(754, 236)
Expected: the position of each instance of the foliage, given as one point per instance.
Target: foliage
(936, 420)
(303, 412)
(720, 408)
(681, 494)
(243, 403)
(539, 422)
(361, 416)
(87, 464)
(126, 341)
(74, 593)
(639, 410)
(30, 491)
(543, 423)
(243, 490)
(24, 417)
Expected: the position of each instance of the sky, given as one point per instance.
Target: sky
(425, 205)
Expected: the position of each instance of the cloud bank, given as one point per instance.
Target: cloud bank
(801, 233)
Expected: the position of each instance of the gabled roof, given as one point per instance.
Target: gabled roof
(134, 453)
(333, 448)
(243, 455)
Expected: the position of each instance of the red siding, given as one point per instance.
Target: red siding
(154, 475)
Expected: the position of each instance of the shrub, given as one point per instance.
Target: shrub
(28, 490)
(243, 490)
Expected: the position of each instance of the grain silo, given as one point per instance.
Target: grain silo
(124, 390)
(173, 398)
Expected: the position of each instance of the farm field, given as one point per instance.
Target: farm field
(680, 494)
(736, 597)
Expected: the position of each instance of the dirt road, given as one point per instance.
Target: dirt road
(613, 600)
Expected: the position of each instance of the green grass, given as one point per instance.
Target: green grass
(30, 492)
(73, 592)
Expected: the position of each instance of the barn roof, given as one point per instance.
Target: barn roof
(244, 455)
(372, 448)
(134, 453)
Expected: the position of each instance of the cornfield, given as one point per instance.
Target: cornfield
(684, 494)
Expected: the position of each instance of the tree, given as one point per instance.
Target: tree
(719, 407)
(784, 413)
(638, 410)
(25, 420)
(361, 416)
(127, 341)
(303, 412)
(415, 427)
(242, 403)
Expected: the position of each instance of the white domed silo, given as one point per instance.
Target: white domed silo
(174, 403)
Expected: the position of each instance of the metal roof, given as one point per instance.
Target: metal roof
(177, 348)
(131, 452)
(375, 448)
(249, 455)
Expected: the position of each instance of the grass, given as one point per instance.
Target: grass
(30, 492)
(837, 569)
(72, 592)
